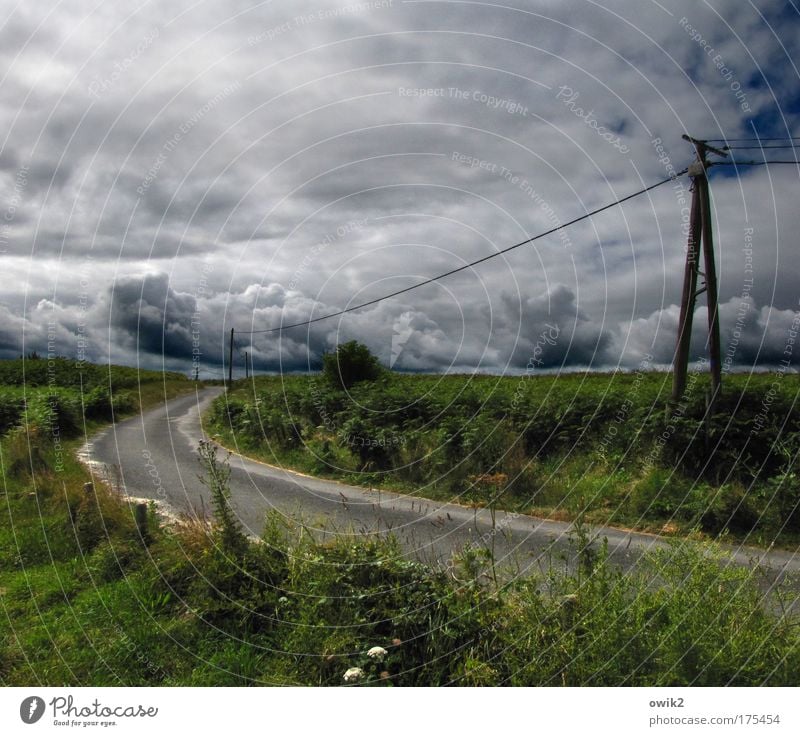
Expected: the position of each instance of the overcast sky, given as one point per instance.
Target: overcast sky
(171, 170)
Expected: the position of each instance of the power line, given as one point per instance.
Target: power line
(472, 264)
(735, 148)
(747, 140)
(755, 163)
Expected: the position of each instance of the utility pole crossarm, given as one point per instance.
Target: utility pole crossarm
(705, 145)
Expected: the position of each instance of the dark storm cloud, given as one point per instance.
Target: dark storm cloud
(555, 332)
(11, 332)
(148, 317)
(297, 158)
(149, 314)
(8, 160)
(47, 174)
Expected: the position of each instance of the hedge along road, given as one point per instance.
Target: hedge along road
(154, 456)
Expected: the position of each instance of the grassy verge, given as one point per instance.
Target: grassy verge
(608, 448)
(56, 540)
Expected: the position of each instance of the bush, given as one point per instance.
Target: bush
(97, 403)
(662, 493)
(740, 441)
(350, 363)
(123, 402)
(56, 410)
(12, 406)
(782, 493)
(25, 452)
(731, 508)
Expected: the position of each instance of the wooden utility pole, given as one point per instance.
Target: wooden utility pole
(230, 359)
(688, 299)
(700, 234)
(714, 348)
(246, 367)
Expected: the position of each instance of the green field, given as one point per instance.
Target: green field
(608, 447)
(60, 395)
(87, 599)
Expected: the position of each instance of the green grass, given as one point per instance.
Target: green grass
(58, 545)
(65, 373)
(607, 446)
(86, 601)
(62, 396)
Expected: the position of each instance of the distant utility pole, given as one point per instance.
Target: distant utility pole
(700, 233)
(230, 359)
(246, 367)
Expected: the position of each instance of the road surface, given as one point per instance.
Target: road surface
(154, 456)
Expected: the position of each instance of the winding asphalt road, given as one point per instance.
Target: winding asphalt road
(154, 456)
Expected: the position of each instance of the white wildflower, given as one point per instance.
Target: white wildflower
(377, 653)
(354, 674)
